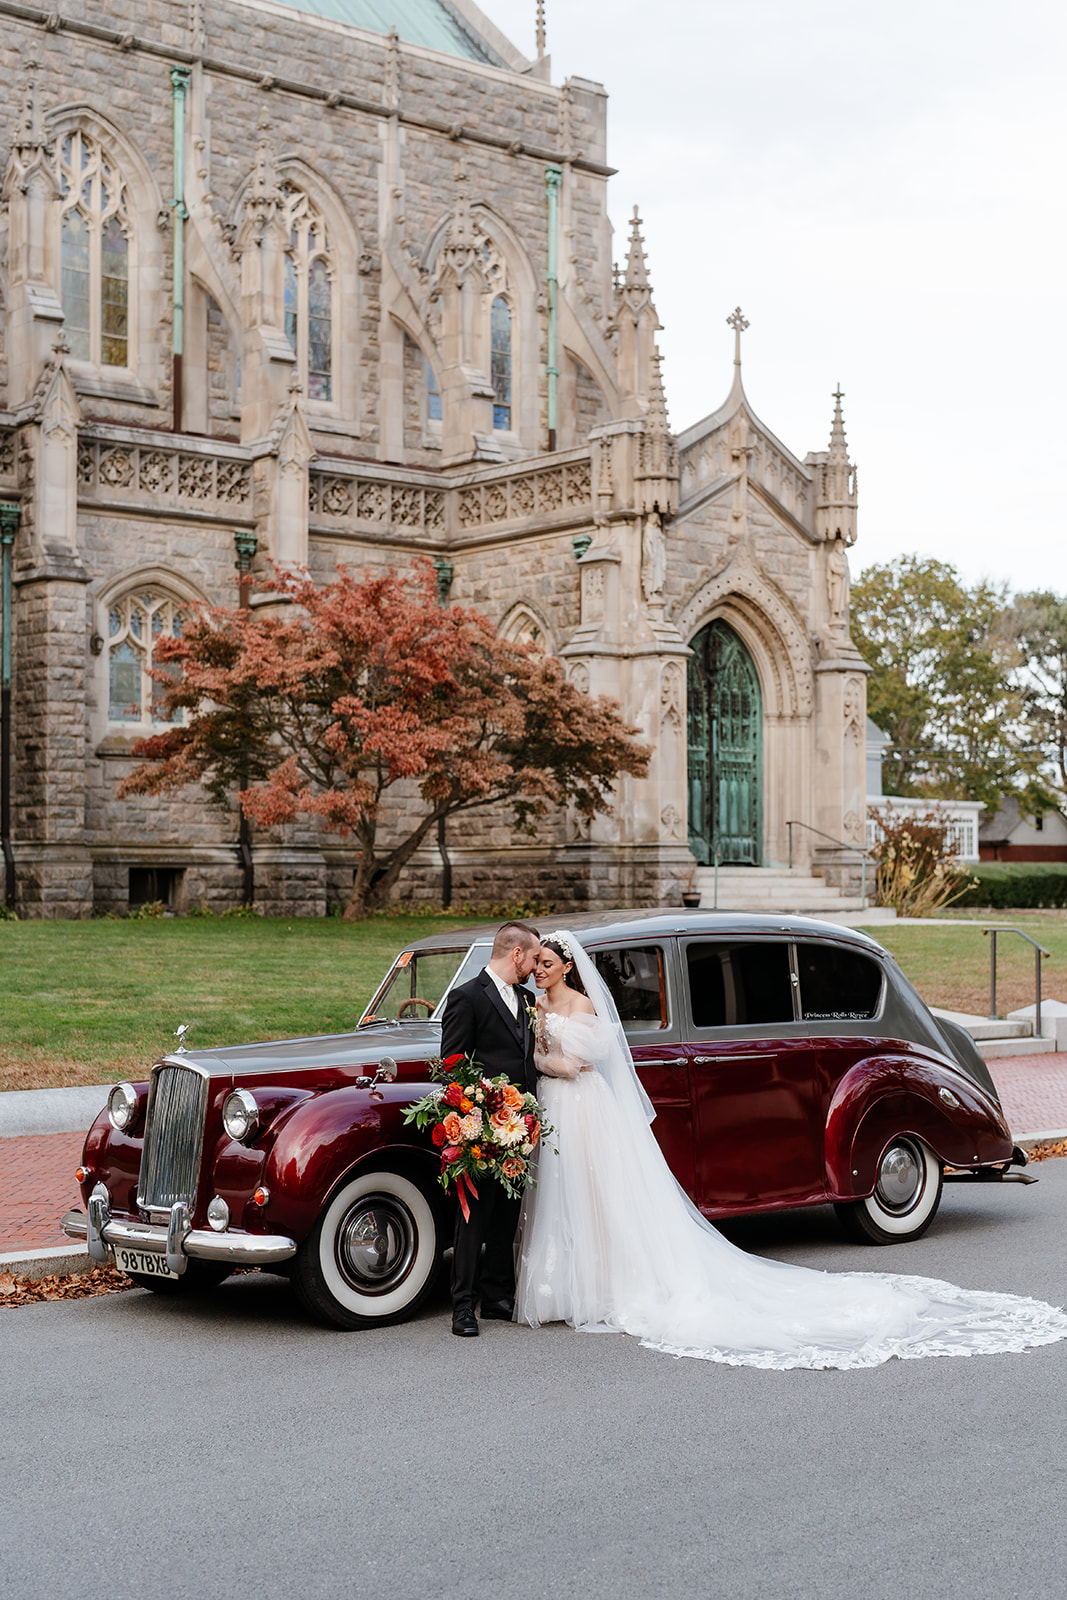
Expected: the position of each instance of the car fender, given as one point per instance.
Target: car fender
(328, 1137)
(889, 1094)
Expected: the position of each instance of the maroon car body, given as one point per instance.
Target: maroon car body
(789, 1061)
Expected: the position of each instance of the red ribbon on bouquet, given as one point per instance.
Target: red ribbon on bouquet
(464, 1178)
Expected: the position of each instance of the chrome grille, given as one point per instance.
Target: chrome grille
(174, 1135)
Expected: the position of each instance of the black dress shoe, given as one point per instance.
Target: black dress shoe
(464, 1325)
(497, 1310)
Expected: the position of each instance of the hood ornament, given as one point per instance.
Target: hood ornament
(179, 1033)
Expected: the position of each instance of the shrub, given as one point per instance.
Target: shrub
(151, 908)
(1016, 885)
(917, 869)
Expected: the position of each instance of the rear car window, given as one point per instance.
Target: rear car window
(837, 984)
(739, 985)
(636, 979)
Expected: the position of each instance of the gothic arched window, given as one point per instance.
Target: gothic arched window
(500, 361)
(522, 625)
(309, 294)
(135, 622)
(94, 252)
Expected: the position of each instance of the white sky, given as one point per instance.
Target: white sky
(880, 187)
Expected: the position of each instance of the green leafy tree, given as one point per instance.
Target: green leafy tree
(944, 659)
(1039, 622)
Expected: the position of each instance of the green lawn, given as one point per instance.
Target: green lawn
(950, 965)
(91, 1002)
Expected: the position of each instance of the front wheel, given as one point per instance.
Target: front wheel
(371, 1257)
(905, 1199)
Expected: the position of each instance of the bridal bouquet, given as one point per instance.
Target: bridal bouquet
(483, 1127)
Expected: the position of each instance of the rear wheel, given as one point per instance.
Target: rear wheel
(905, 1198)
(199, 1277)
(371, 1257)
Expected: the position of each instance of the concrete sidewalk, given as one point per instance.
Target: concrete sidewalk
(37, 1167)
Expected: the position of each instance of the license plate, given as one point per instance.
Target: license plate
(146, 1262)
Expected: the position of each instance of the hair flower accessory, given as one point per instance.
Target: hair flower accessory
(560, 938)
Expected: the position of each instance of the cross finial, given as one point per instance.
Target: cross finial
(738, 322)
(540, 30)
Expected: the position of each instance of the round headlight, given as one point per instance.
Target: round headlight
(122, 1106)
(218, 1214)
(240, 1114)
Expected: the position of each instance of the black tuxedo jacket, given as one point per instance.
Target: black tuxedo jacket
(478, 1023)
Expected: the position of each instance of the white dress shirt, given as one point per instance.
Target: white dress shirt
(506, 991)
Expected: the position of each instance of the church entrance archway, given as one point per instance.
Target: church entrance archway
(725, 749)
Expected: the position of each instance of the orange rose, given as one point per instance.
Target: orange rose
(452, 1128)
(514, 1167)
(466, 1105)
(513, 1097)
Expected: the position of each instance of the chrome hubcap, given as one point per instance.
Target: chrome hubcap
(900, 1177)
(376, 1244)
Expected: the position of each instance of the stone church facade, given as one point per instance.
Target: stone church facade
(277, 286)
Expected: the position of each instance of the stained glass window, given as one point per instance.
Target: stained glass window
(433, 396)
(94, 253)
(135, 624)
(309, 323)
(320, 331)
(500, 362)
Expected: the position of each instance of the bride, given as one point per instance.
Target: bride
(611, 1243)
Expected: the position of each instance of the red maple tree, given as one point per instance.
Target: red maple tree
(322, 705)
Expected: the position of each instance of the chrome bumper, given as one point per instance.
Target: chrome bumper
(178, 1240)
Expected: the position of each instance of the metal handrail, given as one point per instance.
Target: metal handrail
(862, 851)
(1039, 951)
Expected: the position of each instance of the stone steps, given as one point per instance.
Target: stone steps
(772, 889)
(987, 1027)
(1000, 1036)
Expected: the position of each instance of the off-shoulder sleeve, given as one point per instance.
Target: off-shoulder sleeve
(586, 1038)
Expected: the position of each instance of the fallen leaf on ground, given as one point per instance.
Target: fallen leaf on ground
(1046, 1152)
(70, 1286)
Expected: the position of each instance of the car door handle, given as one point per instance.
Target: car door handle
(705, 1061)
(666, 1061)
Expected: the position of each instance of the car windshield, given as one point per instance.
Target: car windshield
(418, 981)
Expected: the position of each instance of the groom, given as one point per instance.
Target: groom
(486, 1019)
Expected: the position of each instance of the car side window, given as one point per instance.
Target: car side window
(739, 985)
(637, 981)
(837, 984)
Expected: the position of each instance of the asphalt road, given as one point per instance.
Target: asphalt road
(229, 1450)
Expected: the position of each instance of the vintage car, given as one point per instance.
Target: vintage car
(790, 1063)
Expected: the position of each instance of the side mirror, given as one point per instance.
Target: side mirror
(387, 1070)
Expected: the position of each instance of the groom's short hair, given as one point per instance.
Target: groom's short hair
(511, 934)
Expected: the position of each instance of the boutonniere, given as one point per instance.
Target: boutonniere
(531, 1015)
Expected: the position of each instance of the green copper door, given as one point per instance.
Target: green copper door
(725, 749)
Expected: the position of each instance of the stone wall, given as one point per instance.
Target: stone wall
(427, 174)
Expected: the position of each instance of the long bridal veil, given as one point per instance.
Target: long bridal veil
(610, 1242)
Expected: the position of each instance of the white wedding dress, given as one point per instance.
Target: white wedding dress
(609, 1242)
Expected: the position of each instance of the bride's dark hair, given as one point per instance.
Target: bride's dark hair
(571, 978)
